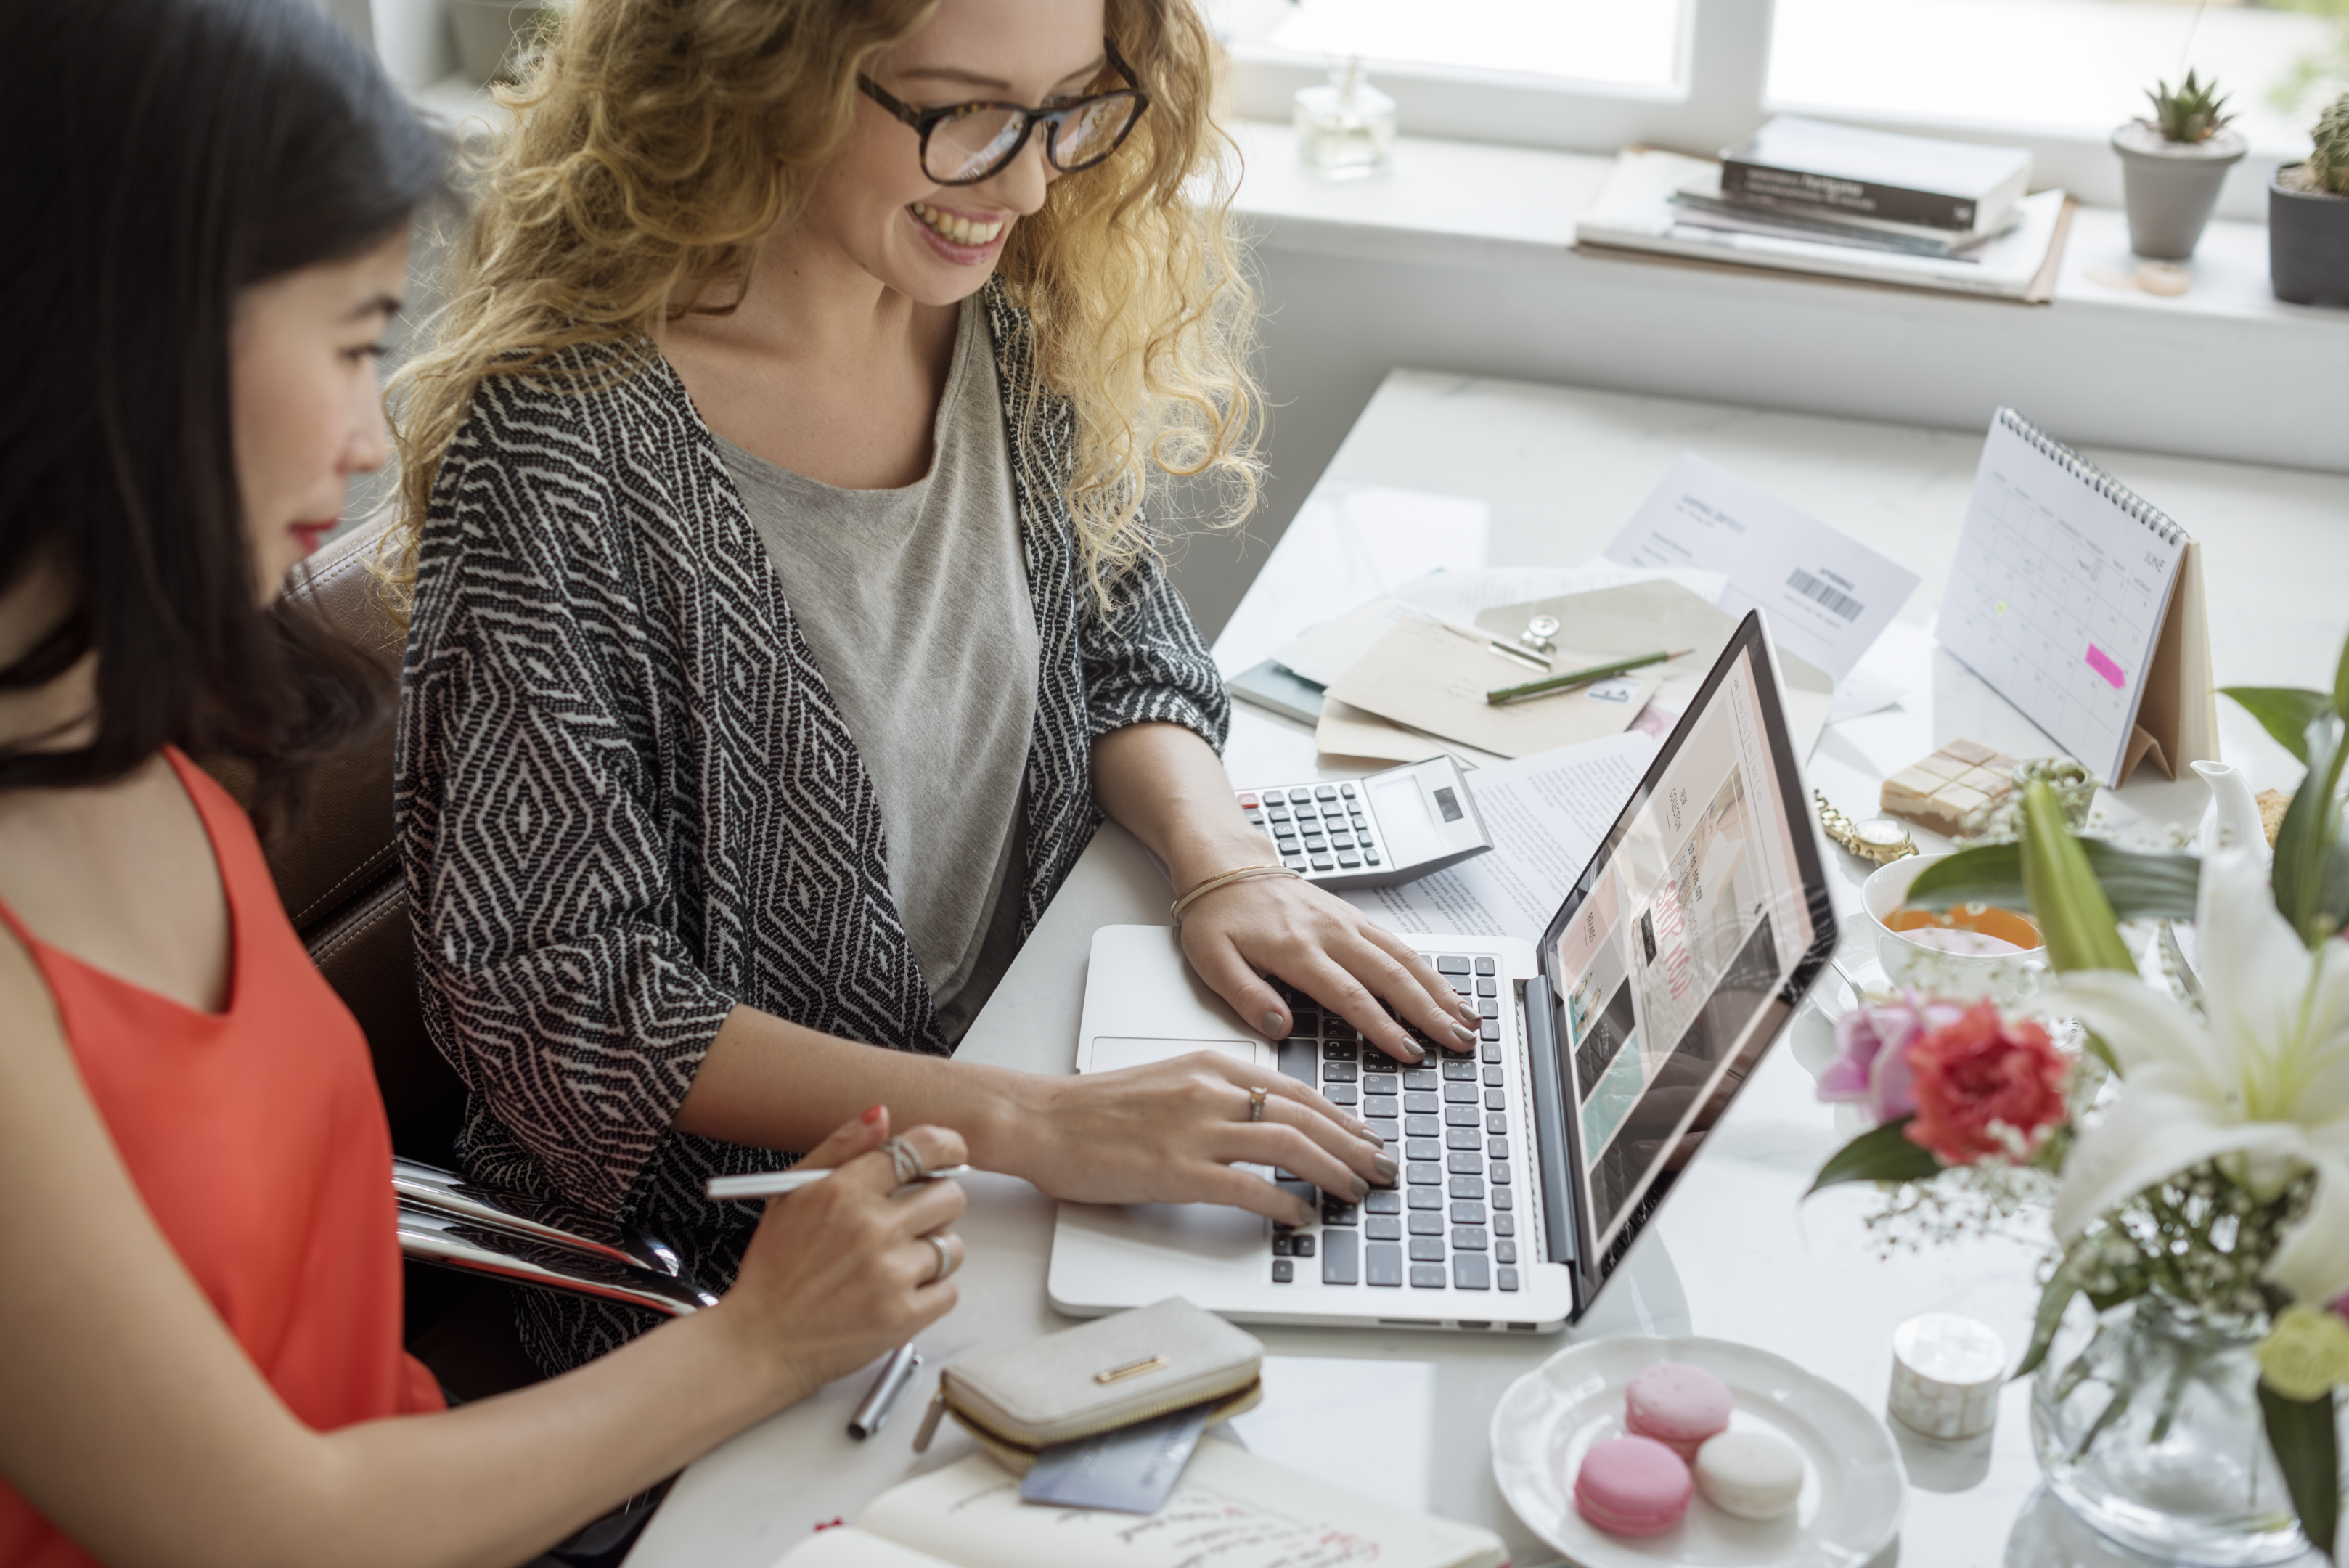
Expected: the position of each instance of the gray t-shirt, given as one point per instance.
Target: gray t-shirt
(915, 603)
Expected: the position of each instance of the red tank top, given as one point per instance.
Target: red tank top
(258, 1137)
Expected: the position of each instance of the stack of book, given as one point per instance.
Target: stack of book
(1807, 196)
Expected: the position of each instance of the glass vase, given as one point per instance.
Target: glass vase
(2147, 1423)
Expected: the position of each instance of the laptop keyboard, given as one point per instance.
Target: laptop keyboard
(1452, 1220)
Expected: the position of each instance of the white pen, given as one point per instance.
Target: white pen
(775, 1183)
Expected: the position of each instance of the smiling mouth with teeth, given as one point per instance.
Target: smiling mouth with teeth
(961, 231)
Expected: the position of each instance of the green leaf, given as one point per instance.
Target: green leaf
(2283, 711)
(2139, 887)
(1884, 1155)
(2075, 918)
(2341, 682)
(2306, 840)
(2057, 1296)
(2307, 1449)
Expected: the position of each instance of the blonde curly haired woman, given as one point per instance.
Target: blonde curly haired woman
(784, 618)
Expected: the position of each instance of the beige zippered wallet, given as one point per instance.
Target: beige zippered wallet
(1099, 1376)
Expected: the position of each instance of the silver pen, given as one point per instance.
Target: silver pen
(882, 1398)
(775, 1183)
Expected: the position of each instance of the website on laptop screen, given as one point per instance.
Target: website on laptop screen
(1683, 938)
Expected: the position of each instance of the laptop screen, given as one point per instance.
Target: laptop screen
(1682, 951)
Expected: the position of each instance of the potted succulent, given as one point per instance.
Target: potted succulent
(2173, 164)
(2308, 217)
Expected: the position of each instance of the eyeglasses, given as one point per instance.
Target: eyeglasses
(966, 143)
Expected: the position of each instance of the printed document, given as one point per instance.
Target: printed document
(1826, 595)
(1546, 814)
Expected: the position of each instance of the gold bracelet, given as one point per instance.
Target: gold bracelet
(1225, 880)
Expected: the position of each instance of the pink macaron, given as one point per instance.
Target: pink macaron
(1633, 1486)
(1678, 1405)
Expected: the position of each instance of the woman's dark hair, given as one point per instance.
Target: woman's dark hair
(161, 156)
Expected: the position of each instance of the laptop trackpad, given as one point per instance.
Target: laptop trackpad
(1111, 1051)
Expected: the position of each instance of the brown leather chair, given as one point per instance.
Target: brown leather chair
(338, 873)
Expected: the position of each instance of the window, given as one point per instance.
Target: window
(2081, 66)
(2056, 76)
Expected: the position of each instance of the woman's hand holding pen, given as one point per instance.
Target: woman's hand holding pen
(847, 1269)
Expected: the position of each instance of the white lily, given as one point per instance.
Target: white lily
(2266, 1077)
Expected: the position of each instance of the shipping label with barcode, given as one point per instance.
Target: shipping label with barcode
(1824, 594)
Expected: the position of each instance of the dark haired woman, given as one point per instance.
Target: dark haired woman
(199, 1355)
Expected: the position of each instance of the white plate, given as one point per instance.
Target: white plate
(1854, 1489)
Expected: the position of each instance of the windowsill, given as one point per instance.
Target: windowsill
(1507, 209)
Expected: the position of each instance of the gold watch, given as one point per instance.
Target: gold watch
(1879, 838)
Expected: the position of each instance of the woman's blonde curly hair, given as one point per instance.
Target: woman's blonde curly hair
(658, 142)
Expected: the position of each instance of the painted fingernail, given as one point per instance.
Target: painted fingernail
(872, 1117)
(1361, 1189)
(1465, 1035)
(1413, 1051)
(1466, 1010)
(1385, 1164)
(1270, 1023)
(1368, 1135)
(1307, 1214)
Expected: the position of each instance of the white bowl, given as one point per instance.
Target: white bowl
(2004, 978)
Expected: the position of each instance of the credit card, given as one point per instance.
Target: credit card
(1129, 1470)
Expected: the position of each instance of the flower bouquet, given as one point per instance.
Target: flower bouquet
(2193, 1143)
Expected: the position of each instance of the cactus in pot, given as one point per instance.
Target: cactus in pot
(2308, 216)
(2173, 164)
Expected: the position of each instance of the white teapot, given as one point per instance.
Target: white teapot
(2232, 821)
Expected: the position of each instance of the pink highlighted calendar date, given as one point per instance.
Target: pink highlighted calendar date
(2102, 663)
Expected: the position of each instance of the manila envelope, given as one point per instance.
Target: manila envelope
(1639, 618)
(1433, 676)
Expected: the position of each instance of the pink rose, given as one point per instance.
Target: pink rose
(1979, 1075)
(1871, 1067)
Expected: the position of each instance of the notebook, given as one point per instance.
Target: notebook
(2083, 606)
(1231, 1508)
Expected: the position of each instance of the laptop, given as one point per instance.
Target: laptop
(1531, 1164)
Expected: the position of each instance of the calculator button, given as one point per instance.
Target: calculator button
(1348, 859)
(1323, 863)
(1249, 800)
(1277, 812)
(1370, 855)
(1294, 862)
(1326, 791)
(1346, 789)
(1340, 840)
(1300, 795)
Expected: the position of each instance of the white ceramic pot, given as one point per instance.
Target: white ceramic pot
(2006, 978)
(2232, 822)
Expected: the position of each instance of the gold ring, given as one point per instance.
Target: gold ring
(947, 1262)
(1257, 1096)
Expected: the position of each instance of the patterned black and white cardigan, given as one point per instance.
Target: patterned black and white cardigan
(627, 803)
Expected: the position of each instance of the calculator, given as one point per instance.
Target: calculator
(1373, 832)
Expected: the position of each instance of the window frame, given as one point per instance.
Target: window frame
(1721, 95)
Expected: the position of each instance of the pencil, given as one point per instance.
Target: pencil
(1579, 677)
(775, 1183)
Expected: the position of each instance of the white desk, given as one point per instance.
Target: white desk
(1734, 1253)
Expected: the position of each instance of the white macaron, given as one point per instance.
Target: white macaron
(1750, 1474)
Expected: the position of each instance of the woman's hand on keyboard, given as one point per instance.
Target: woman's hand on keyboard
(840, 1272)
(1175, 1132)
(1291, 930)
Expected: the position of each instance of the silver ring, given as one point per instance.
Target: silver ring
(947, 1262)
(902, 1156)
(1256, 1098)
